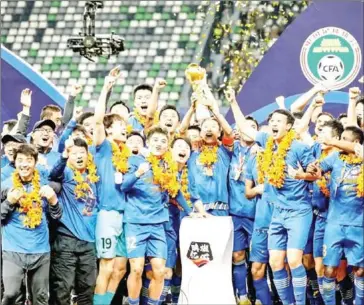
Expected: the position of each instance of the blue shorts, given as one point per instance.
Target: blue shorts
(171, 237)
(289, 229)
(309, 245)
(109, 226)
(121, 246)
(243, 230)
(318, 237)
(145, 240)
(341, 239)
(259, 246)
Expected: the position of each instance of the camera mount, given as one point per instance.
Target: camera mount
(90, 45)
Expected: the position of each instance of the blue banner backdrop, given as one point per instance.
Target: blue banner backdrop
(17, 75)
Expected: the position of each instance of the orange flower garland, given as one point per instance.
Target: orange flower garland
(143, 120)
(30, 203)
(120, 155)
(184, 186)
(165, 171)
(273, 164)
(354, 160)
(322, 182)
(82, 185)
(208, 157)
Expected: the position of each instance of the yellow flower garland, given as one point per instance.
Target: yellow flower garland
(273, 164)
(322, 182)
(208, 156)
(31, 203)
(82, 185)
(184, 186)
(165, 171)
(143, 120)
(120, 155)
(354, 160)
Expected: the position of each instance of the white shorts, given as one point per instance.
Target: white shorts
(109, 227)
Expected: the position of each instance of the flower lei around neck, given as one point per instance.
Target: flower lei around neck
(208, 157)
(82, 186)
(184, 186)
(354, 160)
(165, 172)
(273, 163)
(322, 182)
(143, 120)
(260, 160)
(120, 155)
(31, 203)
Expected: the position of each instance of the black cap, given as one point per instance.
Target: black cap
(13, 138)
(49, 123)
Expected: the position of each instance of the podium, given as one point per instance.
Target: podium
(206, 256)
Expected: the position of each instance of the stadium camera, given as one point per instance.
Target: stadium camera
(90, 45)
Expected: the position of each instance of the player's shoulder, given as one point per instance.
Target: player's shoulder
(136, 160)
(300, 146)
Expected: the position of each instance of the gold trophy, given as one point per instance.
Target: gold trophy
(194, 73)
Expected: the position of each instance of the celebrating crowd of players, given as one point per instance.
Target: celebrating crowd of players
(111, 187)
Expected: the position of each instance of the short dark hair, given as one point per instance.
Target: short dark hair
(47, 111)
(289, 116)
(360, 100)
(11, 124)
(79, 127)
(342, 115)
(194, 127)
(110, 118)
(169, 107)
(183, 139)
(119, 103)
(250, 118)
(326, 113)
(80, 143)
(157, 129)
(28, 150)
(142, 87)
(84, 116)
(210, 119)
(138, 134)
(336, 126)
(298, 115)
(357, 133)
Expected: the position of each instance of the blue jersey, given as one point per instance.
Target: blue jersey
(16, 237)
(264, 211)
(79, 215)
(239, 205)
(345, 207)
(67, 132)
(294, 194)
(146, 203)
(135, 124)
(213, 188)
(4, 161)
(319, 201)
(51, 159)
(110, 198)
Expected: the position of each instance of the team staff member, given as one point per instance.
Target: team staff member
(25, 200)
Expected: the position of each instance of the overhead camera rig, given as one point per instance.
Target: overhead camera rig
(90, 45)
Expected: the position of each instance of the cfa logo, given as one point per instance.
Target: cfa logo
(200, 253)
(331, 54)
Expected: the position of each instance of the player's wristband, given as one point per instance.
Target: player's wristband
(228, 141)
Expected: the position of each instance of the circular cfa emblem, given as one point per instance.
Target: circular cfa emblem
(324, 251)
(331, 54)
